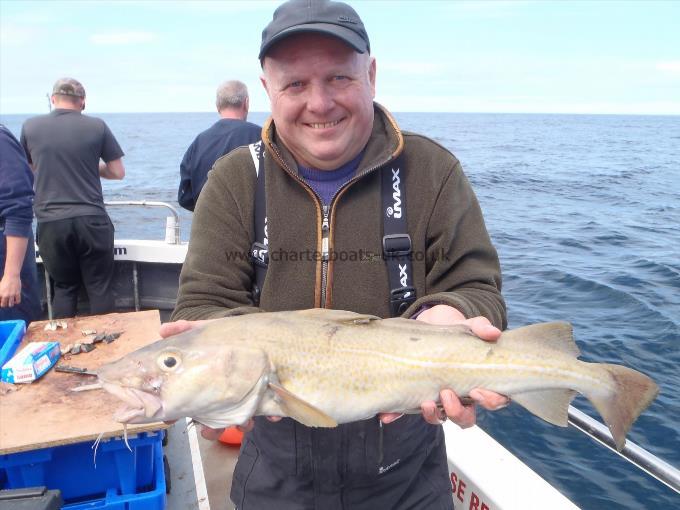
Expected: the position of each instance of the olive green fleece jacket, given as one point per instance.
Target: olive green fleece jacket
(454, 261)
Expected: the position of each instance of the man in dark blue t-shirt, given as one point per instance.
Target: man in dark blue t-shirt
(229, 132)
(19, 293)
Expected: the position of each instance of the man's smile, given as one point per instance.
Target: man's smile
(323, 125)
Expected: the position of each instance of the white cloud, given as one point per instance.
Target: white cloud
(486, 5)
(17, 35)
(412, 68)
(213, 6)
(523, 104)
(670, 67)
(121, 38)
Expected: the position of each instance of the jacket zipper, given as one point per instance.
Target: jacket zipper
(327, 211)
(325, 240)
(326, 230)
(324, 237)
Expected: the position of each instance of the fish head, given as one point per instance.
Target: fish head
(187, 376)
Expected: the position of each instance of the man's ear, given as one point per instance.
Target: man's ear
(263, 81)
(371, 74)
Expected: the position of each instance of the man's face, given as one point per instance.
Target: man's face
(321, 93)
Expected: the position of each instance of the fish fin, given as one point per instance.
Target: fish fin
(342, 316)
(556, 335)
(549, 405)
(634, 392)
(300, 410)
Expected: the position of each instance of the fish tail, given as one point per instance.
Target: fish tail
(633, 392)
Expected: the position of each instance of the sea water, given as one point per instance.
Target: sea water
(585, 213)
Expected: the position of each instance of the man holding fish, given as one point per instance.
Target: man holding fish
(333, 173)
(326, 144)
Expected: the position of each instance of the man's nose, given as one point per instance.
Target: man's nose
(320, 99)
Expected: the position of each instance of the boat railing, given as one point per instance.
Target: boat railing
(172, 223)
(638, 456)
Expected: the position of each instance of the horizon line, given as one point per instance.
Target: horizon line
(2, 114)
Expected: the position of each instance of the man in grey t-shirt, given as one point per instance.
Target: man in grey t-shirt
(75, 234)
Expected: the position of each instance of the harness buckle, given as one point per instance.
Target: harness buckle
(401, 299)
(396, 245)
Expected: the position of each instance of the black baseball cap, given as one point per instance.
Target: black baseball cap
(322, 16)
(68, 87)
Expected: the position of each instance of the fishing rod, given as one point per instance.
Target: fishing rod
(636, 455)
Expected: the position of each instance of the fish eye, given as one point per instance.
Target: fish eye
(169, 361)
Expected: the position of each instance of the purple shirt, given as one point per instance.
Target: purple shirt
(326, 183)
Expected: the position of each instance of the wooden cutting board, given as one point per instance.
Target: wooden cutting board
(45, 413)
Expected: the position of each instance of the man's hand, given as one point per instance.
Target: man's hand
(10, 291)
(10, 285)
(112, 170)
(212, 434)
(463, 415)
(175, 328)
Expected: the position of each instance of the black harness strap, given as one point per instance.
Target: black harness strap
(259, 251)
(396, 242)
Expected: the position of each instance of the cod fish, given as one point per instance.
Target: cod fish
(324, 367)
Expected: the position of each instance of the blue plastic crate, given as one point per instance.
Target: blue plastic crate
(11, 334)
(121, 479)
(154, 499)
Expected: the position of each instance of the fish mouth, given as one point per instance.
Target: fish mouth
(139, 406)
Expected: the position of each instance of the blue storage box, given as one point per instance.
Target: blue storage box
(120, 480)
(11, 334)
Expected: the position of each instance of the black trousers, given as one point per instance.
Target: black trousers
(287, 466)
(78, 252)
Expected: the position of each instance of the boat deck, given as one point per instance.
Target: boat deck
(200, 470)
(219, 461)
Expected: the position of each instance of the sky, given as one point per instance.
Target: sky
(608, 57)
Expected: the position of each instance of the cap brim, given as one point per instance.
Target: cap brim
(346, 35)
(71, 94)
